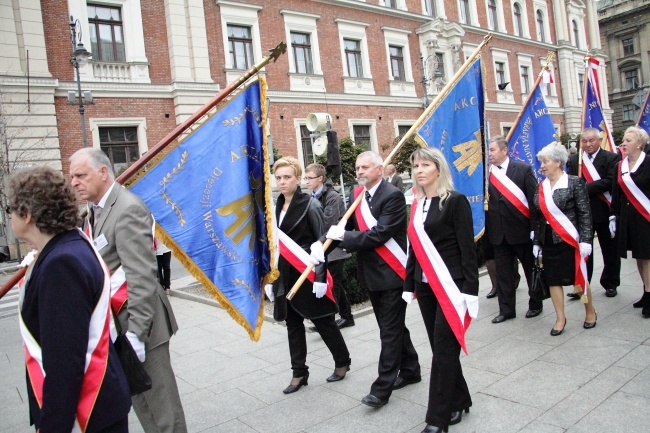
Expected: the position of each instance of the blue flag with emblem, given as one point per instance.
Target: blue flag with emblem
(533, 131)
(209, 196)
(644, 116)
(593, 117)
(455, 126)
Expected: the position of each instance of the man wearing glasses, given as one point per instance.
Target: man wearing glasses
(599, 170)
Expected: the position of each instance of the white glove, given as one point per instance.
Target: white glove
(612, 226)
(269, 292)
(585, 249)
(537, 251)
(320, 289)
(408, 296)
(317, 253)
(472, 305)
(137, 345)
(336, 233)
(532, 235)
(28, 259)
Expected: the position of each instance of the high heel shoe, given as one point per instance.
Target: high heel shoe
(457, 416)
(589, 325)
(341, 374)
(435, 429)
(293, 388)
(556, 332)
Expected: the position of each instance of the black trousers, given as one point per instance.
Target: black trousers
(336, 270)
(611, 276)
(448, 391)
(121, 426)
(504, 254)
(164, 261)
(397, 356)
(329, 332)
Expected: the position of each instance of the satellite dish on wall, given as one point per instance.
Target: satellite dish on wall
(318, 122)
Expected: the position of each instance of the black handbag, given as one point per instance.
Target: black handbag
(136, 376)
(539, 289)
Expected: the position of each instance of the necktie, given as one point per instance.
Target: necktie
(313, 194)
(499, 167)
(369, 199)
(97, 212)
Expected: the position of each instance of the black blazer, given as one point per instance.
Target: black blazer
(62, 290)
(304, 223)
(502, 220)
(574, 203)
(389, 208)
(606, 165)
(452, 232)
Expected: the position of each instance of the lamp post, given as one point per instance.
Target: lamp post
(79, 57)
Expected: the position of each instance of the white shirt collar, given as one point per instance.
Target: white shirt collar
(593, 155)
(102, 202)
(562, 182)
(504, 164)
(319, 190)
(373, 190)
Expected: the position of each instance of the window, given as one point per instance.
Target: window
(581, 84)
(120, 144)
(631, 79)
(362, 136)
(540, 25)
(397, 63)
(493, 22)
(301, 46)
(353, 57)
(430, 8)
(500, 69)
(628, 46)
(240, 45)
(307, 151)
(391, 3)
(106, 37)
(628, 112)
(576, 33)
(441, 65)
(506, 130)
(402, 129)
(525, 79)
(518, 23)
(464, 12)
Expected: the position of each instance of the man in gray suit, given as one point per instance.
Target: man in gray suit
(394, 178)
(121, 231)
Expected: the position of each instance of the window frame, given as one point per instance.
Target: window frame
(465, 6)
(239, 14)
(517, 19)
(95, 23)
(373, 131)
(397, 60)
(248, 47)
(120, 122)
(355, 30)
(492, 15)
(353, 53)
(636, 84)
(307, 53)
(625, 47)
(628, 113)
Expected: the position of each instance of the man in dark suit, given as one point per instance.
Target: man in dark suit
(509, 222)
(393, 178)
(605, 164)
(398, 360)
(121, 230)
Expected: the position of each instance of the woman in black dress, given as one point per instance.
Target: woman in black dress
(442, 218)
(569, 194)
(632, 217)
(300, 218)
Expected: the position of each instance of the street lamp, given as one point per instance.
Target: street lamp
(79, 57)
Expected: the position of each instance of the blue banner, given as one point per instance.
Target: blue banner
(593, 117)
(533, 131)
(644, 117)
(209, 196)
(456, 127)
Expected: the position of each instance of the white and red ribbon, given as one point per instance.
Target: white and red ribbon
(563, 227)
(96, 354)
(633, 193)
(591, 174)
(391, 252)
(451, 300)
(510, 191)
(299, 259)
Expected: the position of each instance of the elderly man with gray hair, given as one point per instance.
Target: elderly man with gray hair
(393, 178)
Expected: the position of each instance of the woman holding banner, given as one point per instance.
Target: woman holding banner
(631, 205)
(442, 272)
(300, 223)
(563, 232)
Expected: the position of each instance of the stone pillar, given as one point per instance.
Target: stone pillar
(592, 22)
(559, 12)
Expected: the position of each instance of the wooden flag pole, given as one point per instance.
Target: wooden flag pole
(584, 110)
(423, 117)
(276, 52)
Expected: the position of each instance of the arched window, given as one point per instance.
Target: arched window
(492, 15)
(518, 24)
(464, 12)
(576, 33)
(540, 25)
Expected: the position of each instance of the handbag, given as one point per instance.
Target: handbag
(136, 376)
(539, 289)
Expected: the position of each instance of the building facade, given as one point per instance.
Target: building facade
(625, 36)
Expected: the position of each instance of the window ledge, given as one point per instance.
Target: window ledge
(307, 82)
(120, 72)
(362, 86)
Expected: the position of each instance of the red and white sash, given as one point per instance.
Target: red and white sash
(563, 227)
(447, 293)
(591, 174)
(391, 252)
(633, 193)
(96, 354)
(299, 259)
(510, 191)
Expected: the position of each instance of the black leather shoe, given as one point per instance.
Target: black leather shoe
(344, 323)
(457, 416)
(337, 377)
(492, 294)
(501, 318)
(573, 295)
(293, 388)
(610, 293)
(533, 313)
(400, 382)
(372, 401)
(556, 332)
(589, 325)
(435, 429)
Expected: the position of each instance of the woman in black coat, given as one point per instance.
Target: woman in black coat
(446, 219)
(569, 194)
(632, 218)
(300, 217)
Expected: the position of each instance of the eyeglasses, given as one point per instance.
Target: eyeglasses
(310, 178)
